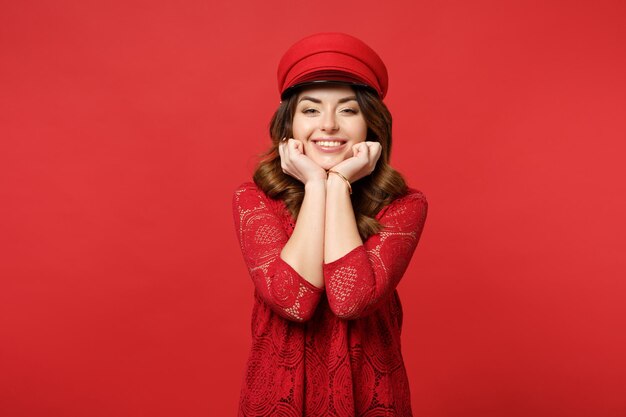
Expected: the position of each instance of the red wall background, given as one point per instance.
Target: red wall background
(126, 125)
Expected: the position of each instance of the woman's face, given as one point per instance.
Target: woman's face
(328, 122)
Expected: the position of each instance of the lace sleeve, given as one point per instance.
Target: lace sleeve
(360, 280)
(261, 237)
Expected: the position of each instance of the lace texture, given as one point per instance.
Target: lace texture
(333, 351)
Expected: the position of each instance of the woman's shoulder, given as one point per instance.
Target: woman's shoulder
(249, 194)
(413, 200)
(415, 195)
(247, 187)
(411, 196)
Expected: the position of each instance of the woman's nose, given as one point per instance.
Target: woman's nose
(329, 121)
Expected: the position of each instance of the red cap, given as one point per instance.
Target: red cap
(332, 56)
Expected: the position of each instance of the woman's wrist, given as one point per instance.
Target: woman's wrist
(336, 181)
(315, 183)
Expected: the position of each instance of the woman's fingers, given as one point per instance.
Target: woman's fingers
(299, 146)
(366, 150)
(372, 145)
(295, 163)
(375, 150)
(281, 152)
(363, 150)
(295, 146)
(357, 149)
(291, 153)
(285, 157)
(363, 162)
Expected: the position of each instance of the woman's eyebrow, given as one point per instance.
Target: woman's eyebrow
(315, 100)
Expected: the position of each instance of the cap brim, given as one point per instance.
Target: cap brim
(304, 84)
(330, 66)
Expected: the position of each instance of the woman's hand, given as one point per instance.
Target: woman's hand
(295, 163)
(362, 163)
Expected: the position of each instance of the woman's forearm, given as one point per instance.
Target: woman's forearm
(341, 232)
(304, 250)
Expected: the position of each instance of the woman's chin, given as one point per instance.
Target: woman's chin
(328, 163)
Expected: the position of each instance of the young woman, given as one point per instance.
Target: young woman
(327, 230)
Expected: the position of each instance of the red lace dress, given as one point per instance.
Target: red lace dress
(333, 351)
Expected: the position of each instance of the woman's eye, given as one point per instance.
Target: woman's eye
(311, 111)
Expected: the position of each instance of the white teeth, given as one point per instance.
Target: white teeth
(328, 143)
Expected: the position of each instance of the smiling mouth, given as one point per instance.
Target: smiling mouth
(329, 146)
(329, 142)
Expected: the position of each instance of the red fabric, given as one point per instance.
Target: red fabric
(332, 351)
(332, 56)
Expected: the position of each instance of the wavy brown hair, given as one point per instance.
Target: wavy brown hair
(369, 194)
